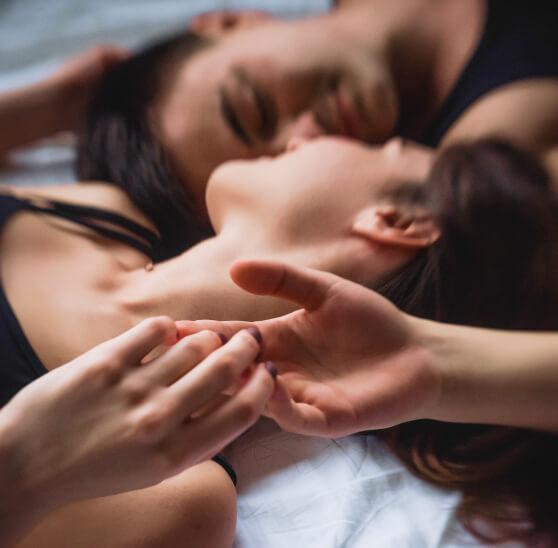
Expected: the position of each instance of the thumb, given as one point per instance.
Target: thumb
(303, 286)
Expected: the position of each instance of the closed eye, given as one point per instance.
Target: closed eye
(231, 118)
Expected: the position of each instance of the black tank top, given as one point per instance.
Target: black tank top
(19, 364)
(519, 41)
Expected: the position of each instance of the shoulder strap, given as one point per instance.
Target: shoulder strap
(123, 229)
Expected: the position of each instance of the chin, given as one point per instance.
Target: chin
(227, 171)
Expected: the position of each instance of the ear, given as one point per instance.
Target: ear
(214, 24)
(403, 227)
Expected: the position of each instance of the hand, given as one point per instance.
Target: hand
(213, 24)
(107, 422)
(55, 104)
(75, 80)
(349, 361)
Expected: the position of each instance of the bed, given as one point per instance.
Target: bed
(293, 491)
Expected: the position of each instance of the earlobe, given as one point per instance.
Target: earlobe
(389, 225)
(214, 24)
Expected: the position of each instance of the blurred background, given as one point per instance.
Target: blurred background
(35, 35)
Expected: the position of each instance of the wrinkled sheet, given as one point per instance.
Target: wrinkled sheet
(293, 491)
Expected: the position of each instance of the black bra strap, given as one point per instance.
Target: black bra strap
(145, 241)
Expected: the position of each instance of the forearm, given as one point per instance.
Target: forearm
(33, 112)
(494, 377)
(20, 506)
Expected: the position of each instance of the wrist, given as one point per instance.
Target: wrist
(492, 377)
(59, 99)
(453, 360)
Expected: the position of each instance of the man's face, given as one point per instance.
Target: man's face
(254, 89)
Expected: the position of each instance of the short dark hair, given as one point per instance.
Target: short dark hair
(117, 143)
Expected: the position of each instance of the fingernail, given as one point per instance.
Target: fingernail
(224, 339)
(271, 369)
(255, 332)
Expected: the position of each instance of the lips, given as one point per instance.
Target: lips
(347, 116)
(337, 114)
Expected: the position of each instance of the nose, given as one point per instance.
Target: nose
(394, 147)
(299, 131)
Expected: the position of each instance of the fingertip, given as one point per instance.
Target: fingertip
(160, 328)
(256, 333)
(185, 328)
(271, 369)
(262, 376)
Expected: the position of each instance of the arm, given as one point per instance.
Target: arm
(103, 424)
(350, 361)
(524, 113)
(494, 377)
(56, 103)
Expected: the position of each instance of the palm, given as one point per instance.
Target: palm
(348, 360)
(352, 359)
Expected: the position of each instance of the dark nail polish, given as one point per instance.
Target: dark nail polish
(224, 339)
(255, 332)
(271, 369)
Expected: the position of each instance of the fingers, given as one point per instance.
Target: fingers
(300, 418)
(213, 24)
(110, 55)
(212, 432)
(279, 342)
(133, 345)
(228, 329)
(303, 286)
(214, 374)
(181, 358)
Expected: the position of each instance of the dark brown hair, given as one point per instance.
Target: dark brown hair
(495, 265)
(117, 143)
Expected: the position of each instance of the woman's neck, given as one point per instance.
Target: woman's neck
(196, 285)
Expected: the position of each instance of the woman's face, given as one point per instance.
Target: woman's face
(315, 190)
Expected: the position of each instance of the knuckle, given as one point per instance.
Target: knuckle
(136, 390)
(158, 326)
(105, 368)
(109, 372)
(147, 425)
(193, 349)
(246, 412)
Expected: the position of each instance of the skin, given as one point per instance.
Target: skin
(131, 305)
(139, 441)
(342, 74)
(350, 361)
(56, 103)
(119, 292)
(193, 285)
(334, 74)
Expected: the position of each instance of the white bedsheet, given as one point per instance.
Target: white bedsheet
(293, 491)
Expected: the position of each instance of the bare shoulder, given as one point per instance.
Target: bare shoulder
(96, 194)
(525, 113)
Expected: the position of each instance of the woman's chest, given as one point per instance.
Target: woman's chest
(62, 283)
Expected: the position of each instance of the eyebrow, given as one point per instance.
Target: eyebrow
(231, 119)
